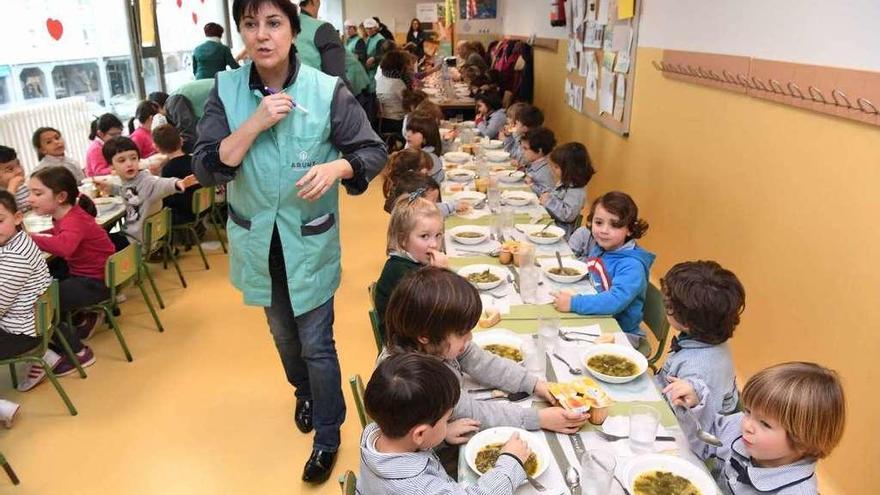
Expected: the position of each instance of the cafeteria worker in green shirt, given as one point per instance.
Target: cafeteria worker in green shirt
(212, 56)
(283, 135)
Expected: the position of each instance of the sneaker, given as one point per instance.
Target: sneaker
(121, 298)
(36, 374)
(8, 411)
(64, 367)
(87, 326)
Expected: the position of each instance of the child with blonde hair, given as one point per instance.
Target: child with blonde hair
(793, 415)
(415, 239)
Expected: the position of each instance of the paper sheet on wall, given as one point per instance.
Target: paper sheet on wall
(592, 8)
(593, 35)
(572, 63)
(569, 19)
(626, 9)
(584, 69)
(622, 64)
(608, 60)
(602, 14)
(592, 88)
(609, 37)
(580, 11)
(619, 97)
(606, 91)
(621, 37)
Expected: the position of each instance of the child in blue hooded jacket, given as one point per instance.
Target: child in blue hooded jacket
(618, 266)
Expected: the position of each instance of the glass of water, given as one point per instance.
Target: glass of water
(536, 359)
(548, 331)
(643, 424)
(597, 471)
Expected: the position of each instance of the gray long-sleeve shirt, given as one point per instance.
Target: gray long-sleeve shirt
(564, 205)
(350, 133)
(493, 124)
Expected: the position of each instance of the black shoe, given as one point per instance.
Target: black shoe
(319, 466)
(302, 416)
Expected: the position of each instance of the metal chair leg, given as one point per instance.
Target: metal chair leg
(140, 285)
(9, 471)
(109, 312)
(69, 351)
(58, 387)
(153, 284)
(14, 375)
(170, 255)
(198, 243)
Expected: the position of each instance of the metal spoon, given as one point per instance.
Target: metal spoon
(573, 480)
(703, 435)
(514, 397)
(566, 338)
(545, 227)
(571, 369)
(559, 260)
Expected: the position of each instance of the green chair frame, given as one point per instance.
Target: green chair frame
(14, 478)
(47, 316)
(202, 207)
(656, 321)
(374, 318)
(357, 392)
(157, 238)
(348, 483)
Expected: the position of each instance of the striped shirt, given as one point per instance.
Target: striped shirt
(417, 473)
(23, 279)
(692, 360)
(21, 198)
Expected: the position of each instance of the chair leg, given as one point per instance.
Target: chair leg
(112, 319)
(169, 253)
(13, 375)
(140, 285)
(153, 284)
(195, 237)
(217, 231)
(58, 387)
(9, 471)
(69, 351)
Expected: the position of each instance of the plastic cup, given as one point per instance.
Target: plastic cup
(643, 424)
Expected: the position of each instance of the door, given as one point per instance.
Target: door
(146, 47)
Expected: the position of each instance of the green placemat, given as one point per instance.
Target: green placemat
(456, 221)
(533, 311)
(530, 326)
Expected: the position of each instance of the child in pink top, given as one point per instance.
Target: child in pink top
(141, 136)
(103, 128)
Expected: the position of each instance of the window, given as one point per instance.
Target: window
(78, 79)
(33, 83)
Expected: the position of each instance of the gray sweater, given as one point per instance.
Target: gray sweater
(542, 176)
(143, 197)
(564, 205)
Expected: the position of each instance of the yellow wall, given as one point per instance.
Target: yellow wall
(785, 198)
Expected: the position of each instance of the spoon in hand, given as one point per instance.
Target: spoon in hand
(702, 434)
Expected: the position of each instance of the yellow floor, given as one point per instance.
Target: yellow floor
(204, 408)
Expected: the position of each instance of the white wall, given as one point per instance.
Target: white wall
(843, 33)
(527, 17)
(396, 14)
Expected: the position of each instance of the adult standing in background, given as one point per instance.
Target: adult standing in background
(283, 161)
(416, 36)
(354, 43)
(374, 43)
(383, 29)
(317, 43)
(212, 56)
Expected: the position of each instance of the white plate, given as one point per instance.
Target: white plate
(472, 197)
(461, 175)
(107, 201)
(510, 177)
(669, 463)
(498, 336)
(497, 156)
(37, 223)
(469, 124)
(558, 233)
(492, 144)
(620, 350)
(501, 434)
(518, 198)
(480, 229)
(567, 263)
(457, 157)
(499, 272)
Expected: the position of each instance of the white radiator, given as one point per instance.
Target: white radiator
(69, 115)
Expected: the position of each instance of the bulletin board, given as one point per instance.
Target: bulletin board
(601, 59)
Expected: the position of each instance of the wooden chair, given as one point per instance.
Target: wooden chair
(357, 391)
(655, 320)
(47, 314)
(348, 483)
(15, 481)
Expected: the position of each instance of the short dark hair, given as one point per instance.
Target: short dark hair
(492, 99)
(160, 97)
(7, 200)
(530, 116)
(411, 99)
(408, 390)
(240, 8)
(214, 30)
(541, 140)
(7, 154)
(167, 138)
(621, 205)
(38, 135)
(705, 298)
(119, 144)
(427, 125)
(432, 303)
(393, 64)
(103, 124)
(574, 163)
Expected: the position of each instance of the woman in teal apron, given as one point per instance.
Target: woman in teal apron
(283, 135)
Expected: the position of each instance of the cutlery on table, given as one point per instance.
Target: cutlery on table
(513, 397)
(613, 438)
(559, 260)
(563, 336)
(573, 480)
(571, 369)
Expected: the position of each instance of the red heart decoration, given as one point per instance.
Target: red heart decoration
(179, 3)
(55, 28)
(195, 18)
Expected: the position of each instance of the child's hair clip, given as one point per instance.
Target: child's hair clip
(416, 194)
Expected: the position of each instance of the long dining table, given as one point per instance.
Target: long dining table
(523, 319)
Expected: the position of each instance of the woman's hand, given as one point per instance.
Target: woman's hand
(561, 421)
(320, 178)
(460, 430)
(543, 391)
(438, 258)
(272, 109)
(681, 392)
(562, 301)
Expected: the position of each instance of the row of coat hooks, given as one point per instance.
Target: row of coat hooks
(791, 89)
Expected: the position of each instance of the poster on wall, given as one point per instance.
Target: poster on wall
(478, 9)
(428, 12)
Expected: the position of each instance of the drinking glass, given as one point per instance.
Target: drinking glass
(548, 330)
(494, 194)
(643, 424)
(535, 357)
(506, 217)
(597, 471)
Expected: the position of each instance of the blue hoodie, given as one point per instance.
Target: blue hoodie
(626, 269)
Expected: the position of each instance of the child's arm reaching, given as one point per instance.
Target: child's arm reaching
(694, 394)
(628, 283)
(508, 473)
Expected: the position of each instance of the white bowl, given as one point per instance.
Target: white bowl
(479, 229)
(510, 176)
(558, 234)
(499, 272)
(669, 463)
(518, 198)
(567, 263)
(472, 197)
(461, 175)
(492, 144)
(501, 434)
(620, 350)
(431, 91)
(497, 156)
(498, 336)
(457, 157)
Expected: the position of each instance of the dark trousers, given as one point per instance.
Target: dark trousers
(308, 353)
(13, 344)
(75, 293)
